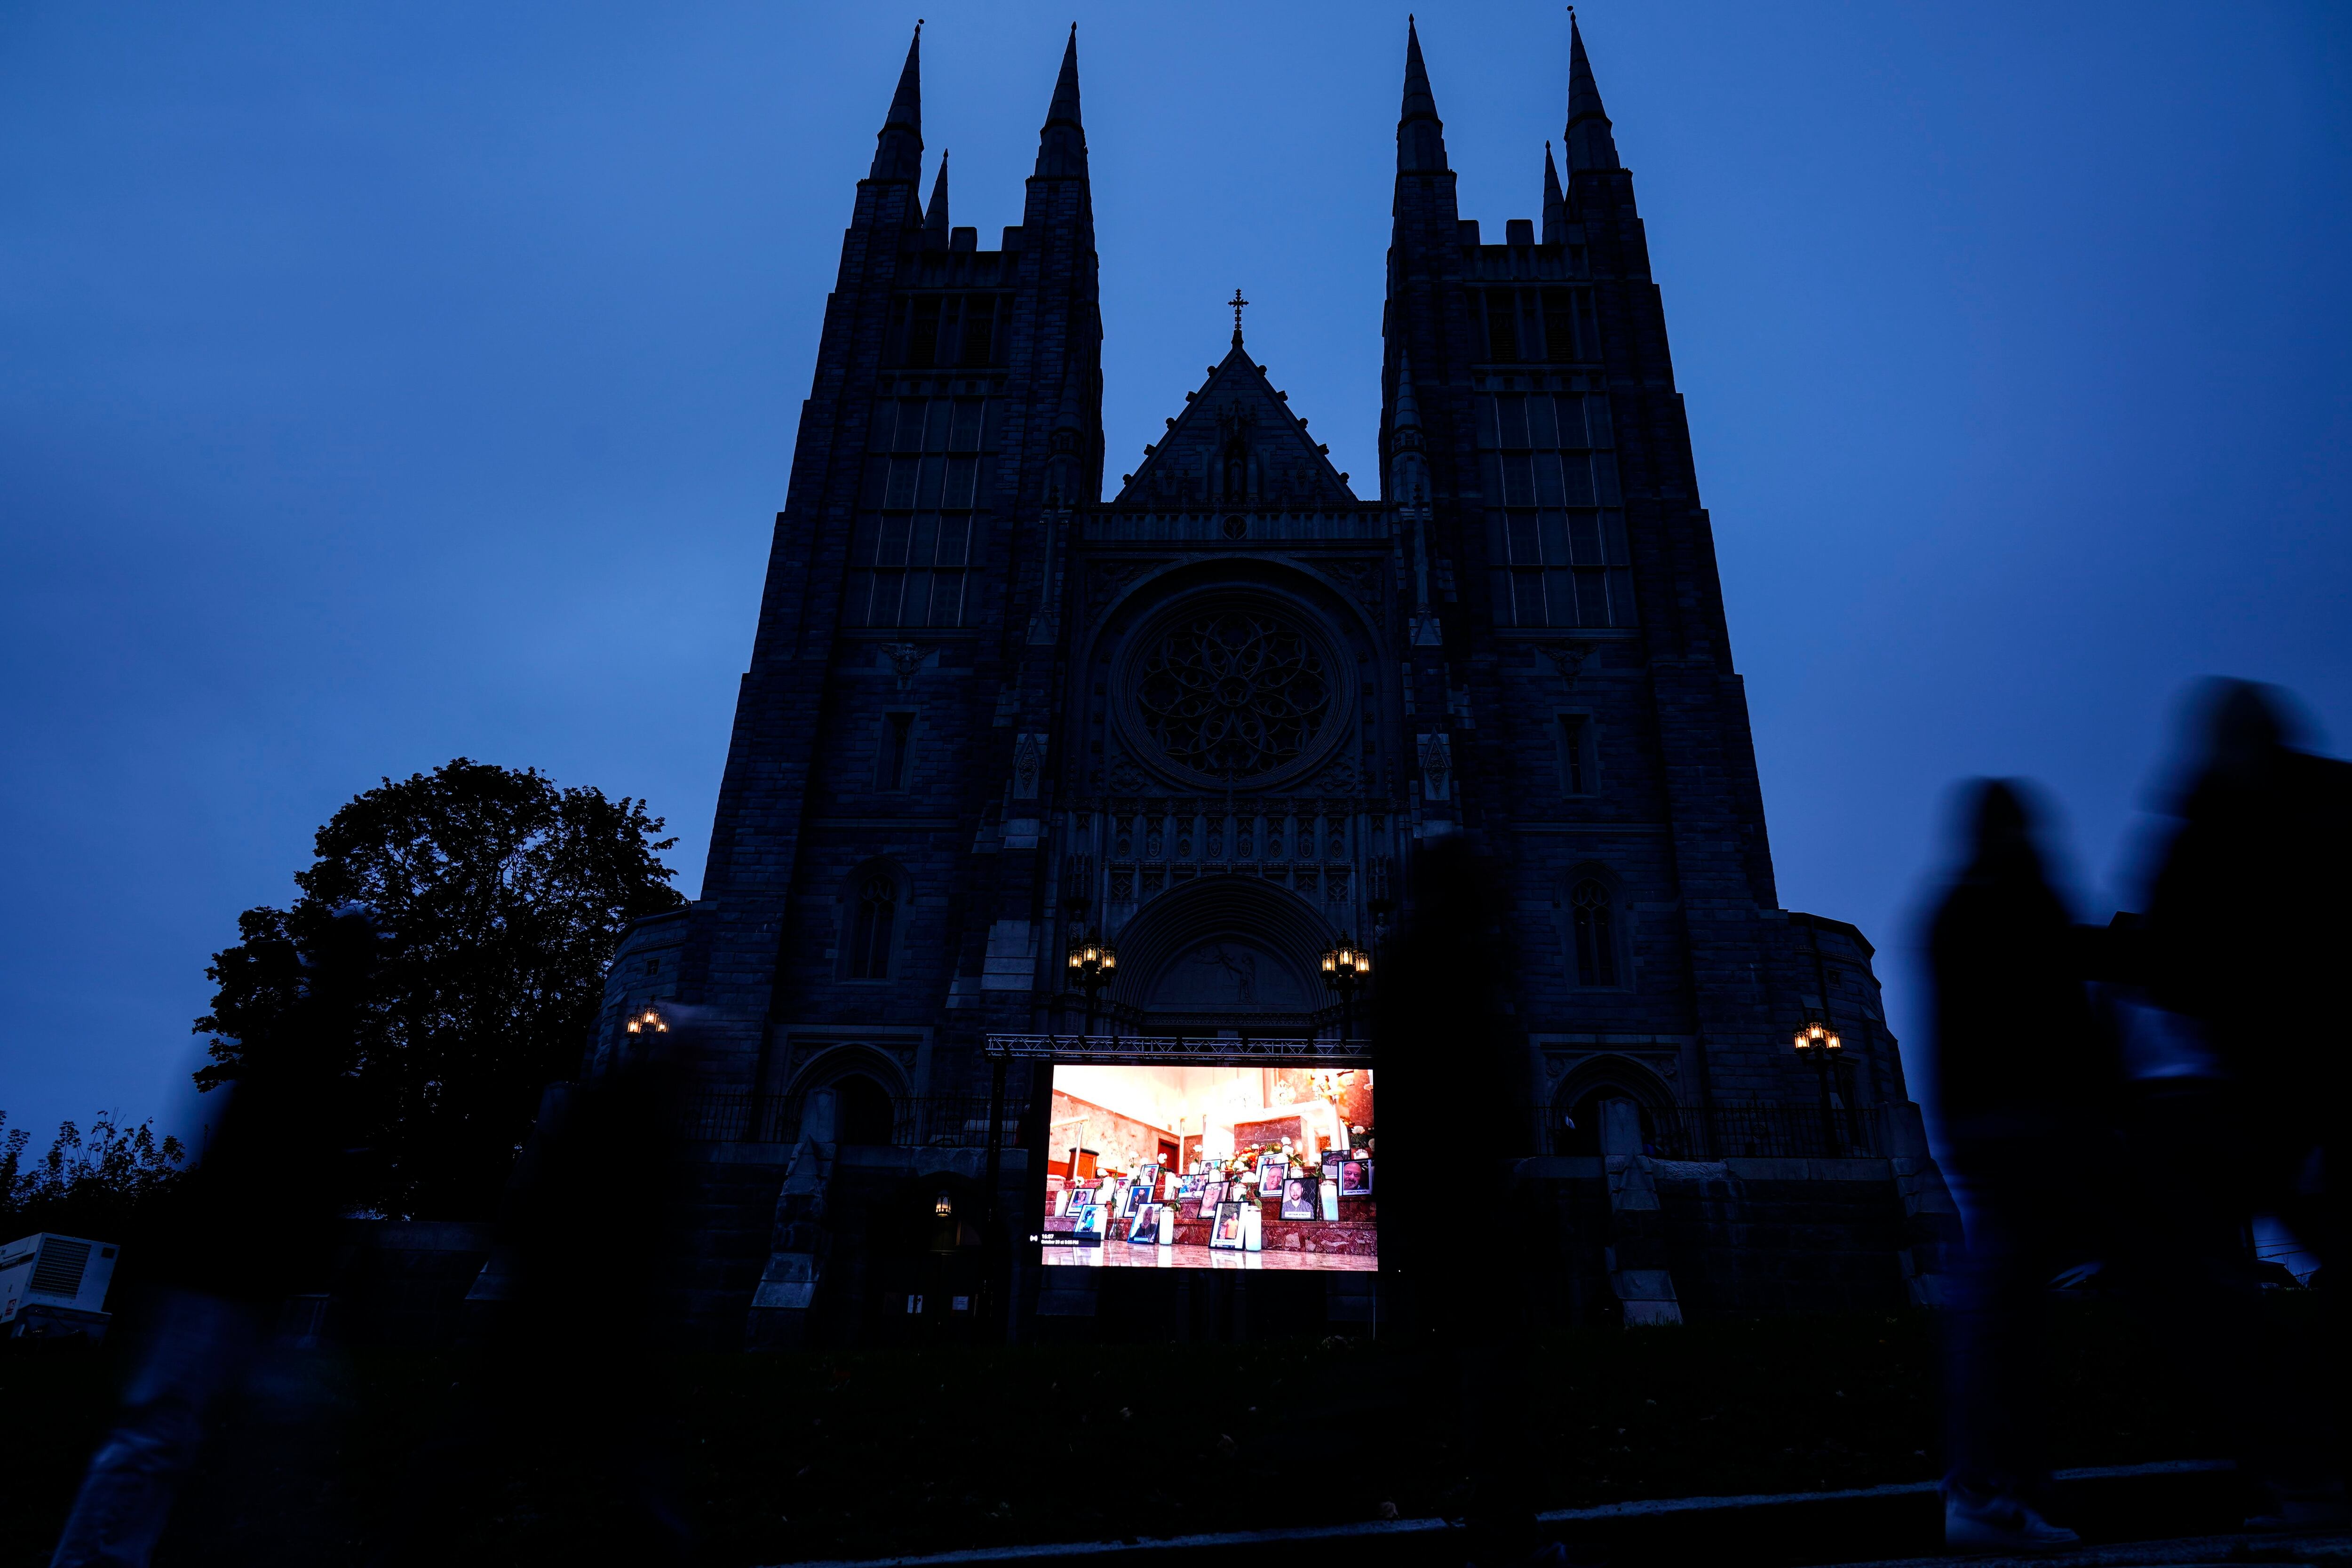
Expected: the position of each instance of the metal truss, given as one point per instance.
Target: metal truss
(1196, 1050)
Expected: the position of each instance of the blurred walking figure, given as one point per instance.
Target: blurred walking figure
(2246, 934)
(254, 1225)
(2021, 1078)
(569, 1375)
(1446, 1059)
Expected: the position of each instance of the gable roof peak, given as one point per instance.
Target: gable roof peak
(1237, 444)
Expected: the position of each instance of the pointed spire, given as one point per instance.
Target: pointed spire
(1417, 99)
(934, 217)
(1555, 207)
(1404, 414)
(899, 151)
(1061, 146)
(1589, 144)
(1420, 136)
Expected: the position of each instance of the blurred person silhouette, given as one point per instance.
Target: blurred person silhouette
(254, 1225)
(2025, 1084)
(2245, 935)
(568, 1375)
(2180, 1235)
(1449, 1060)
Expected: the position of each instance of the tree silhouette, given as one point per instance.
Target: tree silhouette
(497, 899)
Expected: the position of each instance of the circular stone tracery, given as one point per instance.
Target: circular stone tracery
(1233, 693)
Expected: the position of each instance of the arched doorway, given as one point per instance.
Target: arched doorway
(863, 1109)
(1576, 1108)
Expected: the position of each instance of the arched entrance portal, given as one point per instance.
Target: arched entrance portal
(1226, 954)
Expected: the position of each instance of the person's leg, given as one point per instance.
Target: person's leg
(1995, 1364)
(199, 1348)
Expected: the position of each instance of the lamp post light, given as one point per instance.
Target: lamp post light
(1346, 968)
(1091, 965)
(646, 1023)
(1819, 1044)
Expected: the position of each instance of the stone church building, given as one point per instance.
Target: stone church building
(1207, 721)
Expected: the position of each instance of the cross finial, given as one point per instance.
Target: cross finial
(1237, 302)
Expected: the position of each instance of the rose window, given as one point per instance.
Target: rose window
(1232, 694)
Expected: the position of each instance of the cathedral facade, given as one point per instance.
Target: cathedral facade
(990, 717)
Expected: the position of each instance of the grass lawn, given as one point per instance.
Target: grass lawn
(859, 1453)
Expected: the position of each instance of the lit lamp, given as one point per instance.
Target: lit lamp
(1347, 967)
(1819, 1044)
(944, 1206)
(649, 1024)
(1091, 965)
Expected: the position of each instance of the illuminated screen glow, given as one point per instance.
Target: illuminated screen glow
(1200, 1167)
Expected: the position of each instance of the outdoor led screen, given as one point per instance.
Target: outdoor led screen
(1212, 1167)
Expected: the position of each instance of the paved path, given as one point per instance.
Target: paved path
(2192, 1552)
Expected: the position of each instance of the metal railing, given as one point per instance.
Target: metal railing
(1760, 1131)
(919, 1121)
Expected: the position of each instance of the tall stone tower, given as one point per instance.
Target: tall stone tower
(1208, 722)
(1573, 657)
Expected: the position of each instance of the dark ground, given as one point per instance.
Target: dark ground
(849, 1454)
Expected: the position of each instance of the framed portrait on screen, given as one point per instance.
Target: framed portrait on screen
(1298, 1194)
(1355, 1178)
(1129, 1197)
(1226, 1231)
(1271, 1173)
(1331, 1159)
(1092, 1221)
(1211, 1194)
(1143, 1230)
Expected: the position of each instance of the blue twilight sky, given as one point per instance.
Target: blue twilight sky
(380, 383)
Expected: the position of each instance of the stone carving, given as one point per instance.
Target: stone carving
(1227, 973)
(1567, 657)
(1339, 779)
(905, 658)
(1028, 759)
(1109, 579)
(1436, 765)
(1361, 579)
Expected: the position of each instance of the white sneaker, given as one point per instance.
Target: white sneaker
(1998, 1523)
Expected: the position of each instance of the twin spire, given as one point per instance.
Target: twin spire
(1590, 143)
(898, 150)
(1587, 142)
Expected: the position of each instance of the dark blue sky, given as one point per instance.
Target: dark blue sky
(379, 384)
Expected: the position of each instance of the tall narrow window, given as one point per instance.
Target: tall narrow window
(923, 332)
(909, 570)
(1502, 328)
(1575, 754)
(898, 750)
(1560, 326)
(869, 928)
(1596, 939)
(980, 329)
